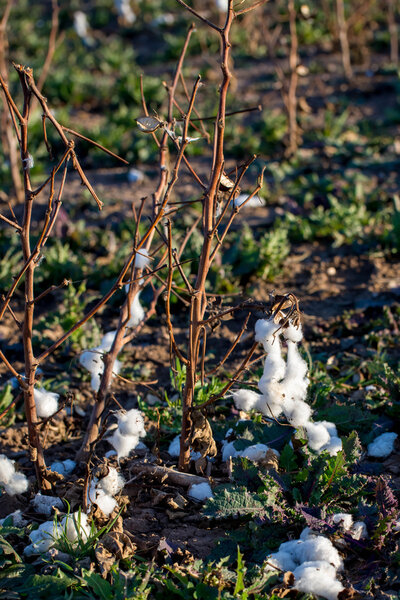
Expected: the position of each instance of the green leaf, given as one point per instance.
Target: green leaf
(352, 447)
(230, 501)
(240, 573)
(287, 460)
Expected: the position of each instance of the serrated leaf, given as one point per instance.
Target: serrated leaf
(230, 501)
(287, 460)
(352, 447)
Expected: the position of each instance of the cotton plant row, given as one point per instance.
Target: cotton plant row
(92, 359)
(284, 384)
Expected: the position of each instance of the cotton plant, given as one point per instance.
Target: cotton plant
(314, 562)
(102, 491)
(10, 480)
(284, 385)
(125, 11)
(130, 428)
(136, 310)
(92, 360)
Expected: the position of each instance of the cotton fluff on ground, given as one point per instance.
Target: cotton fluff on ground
(357, 530)
(200, 491)
(12, 482)
(16, 519)
(45, 505)
(130, 428)
(74, 527)
(92, 360)
(175, 448)
(283, 387)
(46, 403)
(255, 452)
(314, 562)
(102, 492)
(383, 445)
(64, 467)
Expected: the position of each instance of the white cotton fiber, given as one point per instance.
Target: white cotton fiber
(113, 483)
(318, 435)
(265, 330)
(142, 258)
(256, 452)
(46, 403)
(359, 531)
(123, 444)
(92, 360)
(16, 518)
(383, 445)
(245, 399)
(131, 422)
(64, 467)
(175, 446)
(43, 538)
(315, 579)
(254, 202)
(124, 10)
(13, 482)
(107, 340)
(228, 451)
(105, 502)
(293, 333)
(330, 427)
(76, 527)
(7, 469)
(297, 413)
(333, 446)
(45, 504)
(283, 560)
(318, 548)
(136, 311)
(200, 491)
(268, 407)
(345, 520)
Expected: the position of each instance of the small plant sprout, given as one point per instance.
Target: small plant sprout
(283, 385)
(383, 445)
(92, 360)
(46, 403)
(102, 492)
(12, 482)
(314, 562)
(130, 428)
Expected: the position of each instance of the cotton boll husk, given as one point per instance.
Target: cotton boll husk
(136, 312)
(200, 491)
(76, 526)
(292, 333)
(142, 258)
(283, 560)
(383, 445)
(245, 399)
(131, 423)
(46, 402)
(318, 436)
(256, 452)
(298, 413)
(333, 446)
(359, 531)
(123, 444)
(7, 469)
(112, 483)
(44, 504)
(318, 548)
(18, 484)
(345, 520)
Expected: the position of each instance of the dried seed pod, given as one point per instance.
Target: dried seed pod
(225, 183)
(149, 124)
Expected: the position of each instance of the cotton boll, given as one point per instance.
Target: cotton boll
(123, 444)
(314, 580)
(322, 565)
(245, 399)
(256, 452)
(136, 312)
(298, 413)
(330, 427)
(383, 445)
(268, 407)
(359, 531)
(18, 484)
(16, 518)
(7, 469)
(80, 24)
(222, 5)
(108, 340)
(105, 502)
(318, 548)
(142, 258)
(131, 423)
(64, 467)
(125, 11)
(200, 491)
(254, 202)
(296, 366)
(264, 330)
(345, 520)
(44, 505)
(175, 446)
(43, 538)
(317, 436)
(76, 527)
(228, 451)
(46, 403)
(283, 560)
(293, 333)
(112, 483)
(333, 446)
(92, 360)
(306, 533)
